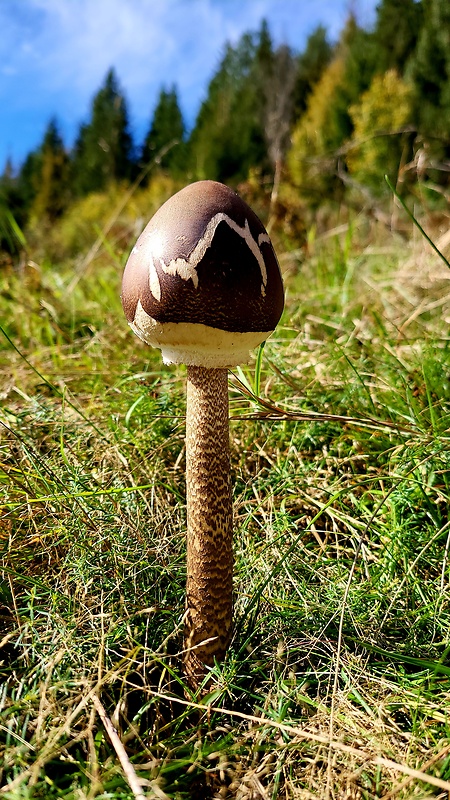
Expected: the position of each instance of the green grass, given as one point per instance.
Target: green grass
(337, 682)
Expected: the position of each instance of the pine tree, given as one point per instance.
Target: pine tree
(28, 179)
(228, 137)
(11, 212)
(164, 142)
(103, 150)
(271, 83)
(430, 73)
(357, 49)
(317, 135)
(17, 194)
(326, 124)
(396, 33)
(310, 66)
(51, 177)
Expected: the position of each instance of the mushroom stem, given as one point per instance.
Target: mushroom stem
(209, 522)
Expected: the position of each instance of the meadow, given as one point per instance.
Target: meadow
(337, 682)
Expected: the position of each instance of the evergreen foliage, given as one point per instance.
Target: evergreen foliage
(396, 33)
(357, 50)
(228, 137)
(310, 66)
(317, 136)
(164, 143)
(40, 190)
(430, 73)
(51, 176)
(27, 179)
(104, 149)
(380, 135)
(11, 212)
(315, 157)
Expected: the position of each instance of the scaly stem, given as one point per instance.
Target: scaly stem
(209, 522)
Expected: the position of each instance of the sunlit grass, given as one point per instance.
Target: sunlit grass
(342, 539)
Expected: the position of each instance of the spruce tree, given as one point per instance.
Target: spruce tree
(51, 176)
(314, 161)
(396, 33)
(430, 72)
(228, 137)
(310, 66)
(103, 150)
(357, 48)
(164, 143)
(316, 137)
(12, 215)
(28, 179)
(381, 139)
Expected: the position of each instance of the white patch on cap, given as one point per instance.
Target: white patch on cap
(264, 237)
(155, 286)
(186, 268)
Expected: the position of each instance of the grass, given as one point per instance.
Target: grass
(337, 683)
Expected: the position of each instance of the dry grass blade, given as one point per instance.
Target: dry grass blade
(50, 748)
(275, 412)
(437, 757)
(337, 665)
(128, 769)
(299, 733)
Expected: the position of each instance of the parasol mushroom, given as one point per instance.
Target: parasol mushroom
(203, 284)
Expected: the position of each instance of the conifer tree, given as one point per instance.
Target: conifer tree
(28, 178)
(430, 73)
(206, 142)
(326, 124)
(103, 150)
(396, 33)
(380, 134)
(275, 74)
(357, 49)
(228, 137)
(310, 66)
(165, 139)
(11, 212)
(39, 192)
(317, 135)
(51, 176)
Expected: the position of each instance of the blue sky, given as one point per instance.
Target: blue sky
(54, 54)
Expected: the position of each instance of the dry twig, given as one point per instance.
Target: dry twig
(128, 769)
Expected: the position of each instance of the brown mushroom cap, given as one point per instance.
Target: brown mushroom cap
(203, 281)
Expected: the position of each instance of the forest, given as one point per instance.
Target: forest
(308, 128)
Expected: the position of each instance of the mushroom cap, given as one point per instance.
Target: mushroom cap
(202, 282)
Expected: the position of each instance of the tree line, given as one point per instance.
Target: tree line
(330, 119)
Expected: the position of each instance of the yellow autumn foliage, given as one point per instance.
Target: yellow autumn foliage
(380, 138)
(317, 134)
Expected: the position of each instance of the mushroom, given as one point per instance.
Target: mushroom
(203, 284)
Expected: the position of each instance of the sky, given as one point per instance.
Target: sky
(54, 55)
